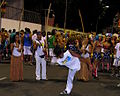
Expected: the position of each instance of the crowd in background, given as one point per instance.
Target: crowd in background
(99, 52)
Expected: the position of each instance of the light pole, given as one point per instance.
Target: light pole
(45, 15)
(1, 1)
(105, 8)
(65, 16)
(0, 14)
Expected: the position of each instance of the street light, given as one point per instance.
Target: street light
(105, 8)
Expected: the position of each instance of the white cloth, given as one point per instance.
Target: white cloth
(51, 52)
(116, 62)
(70, 78)
(39, 51)
(34, 37)
(27, 50)
(15, 51)
(43, 39)
(87, 54)
(69, 61)
(117, 47)
(54, 58)
(40, 61)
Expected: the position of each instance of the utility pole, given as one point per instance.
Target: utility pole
(1, 1)
(0, 14)
(81, 21)
(46, 25)
(65, 16)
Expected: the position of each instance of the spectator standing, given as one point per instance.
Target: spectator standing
(51, 41)
(39, 47)
(27, 46)
(16, 67)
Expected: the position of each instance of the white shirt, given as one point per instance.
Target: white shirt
(87, 54)
(34, 37)
(43, 39)
(117, 47)
(15, 51)
(69, 61)
(39, 52)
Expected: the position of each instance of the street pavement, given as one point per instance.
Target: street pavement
(57, 76)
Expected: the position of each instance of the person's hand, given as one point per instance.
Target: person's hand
(17, 45)
(22, 57)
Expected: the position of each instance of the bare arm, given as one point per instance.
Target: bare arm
(74, 54)
(11, 47)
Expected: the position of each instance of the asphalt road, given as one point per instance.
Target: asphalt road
(105, 86)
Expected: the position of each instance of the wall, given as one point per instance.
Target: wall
(14, 24)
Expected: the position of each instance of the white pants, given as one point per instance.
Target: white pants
(70, 78)
(40, 61)
(54, 59)
(27, 50)
(51, 52)
(116, 62)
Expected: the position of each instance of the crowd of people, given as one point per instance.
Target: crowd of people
(96, 52)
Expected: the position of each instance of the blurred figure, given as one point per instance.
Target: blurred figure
(97, 46)
(27, 46)
(6, 45)
(16, 66)
(0, 46)
(106, 50)
(12, 36)
(86, 70)
(34, 36)
(51, 46)
(116, 64)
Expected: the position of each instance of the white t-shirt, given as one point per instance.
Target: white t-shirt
(34, 37)
(43, 39)
(69, 61)
(39, 51)
(15, 51)
(117, 47)
(87, 54)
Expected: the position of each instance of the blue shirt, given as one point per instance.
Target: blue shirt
(27, 41)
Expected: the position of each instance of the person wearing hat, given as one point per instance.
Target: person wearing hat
(39, 47)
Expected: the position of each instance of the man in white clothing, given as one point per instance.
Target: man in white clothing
(116, 63)
(70, 60)
(40, 57)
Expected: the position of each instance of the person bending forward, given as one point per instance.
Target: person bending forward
(72, 62)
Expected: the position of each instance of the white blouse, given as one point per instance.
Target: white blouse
(15, 51)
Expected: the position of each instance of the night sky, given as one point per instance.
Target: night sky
(90, 10)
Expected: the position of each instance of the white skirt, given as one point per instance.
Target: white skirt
(116, 62)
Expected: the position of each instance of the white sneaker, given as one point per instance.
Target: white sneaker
(64, 93)
(118, 85)
(37, 78)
